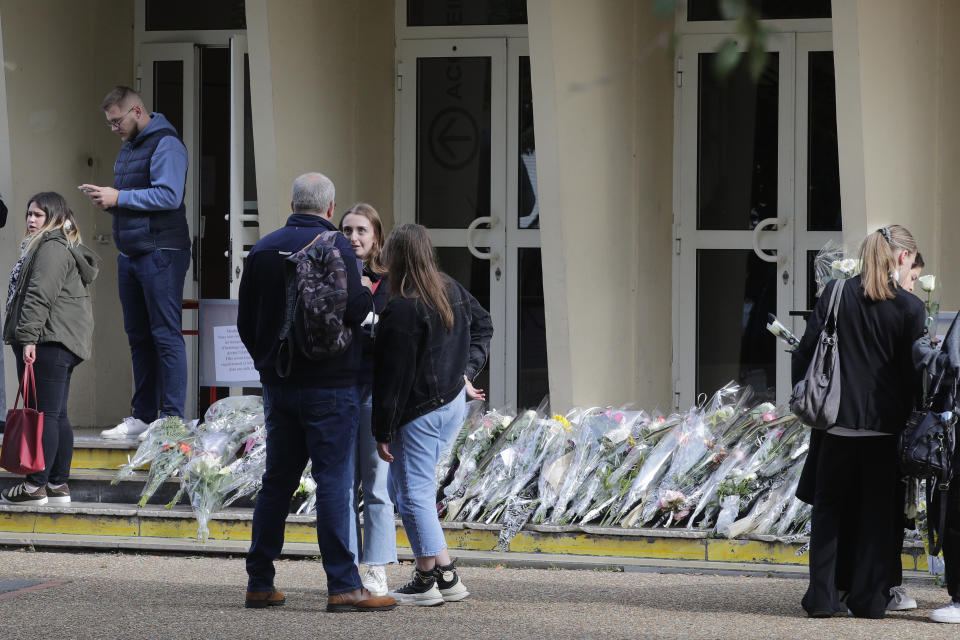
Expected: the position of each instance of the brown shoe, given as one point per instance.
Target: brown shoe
(264, 599)
(359, 600)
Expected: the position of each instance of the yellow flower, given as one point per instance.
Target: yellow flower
(563, 422)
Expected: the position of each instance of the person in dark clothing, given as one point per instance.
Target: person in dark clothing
(939, 363)
(432, 334)
(855, 494)
(151, 232)
(311, 414)
(49, 324)
(899, 600)
(377, 545)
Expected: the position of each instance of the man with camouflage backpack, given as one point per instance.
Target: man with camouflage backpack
(310, 400)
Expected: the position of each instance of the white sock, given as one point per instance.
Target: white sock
(29, 487)
(56, 486)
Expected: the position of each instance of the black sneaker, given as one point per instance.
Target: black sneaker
(449, 584)
(60, 494)
(421, 590)
(18, 494)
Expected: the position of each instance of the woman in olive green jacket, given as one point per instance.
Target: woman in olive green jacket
(49, 323)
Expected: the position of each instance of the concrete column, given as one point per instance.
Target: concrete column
(602, 100)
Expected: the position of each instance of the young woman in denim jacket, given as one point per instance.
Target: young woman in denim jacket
(432, 339)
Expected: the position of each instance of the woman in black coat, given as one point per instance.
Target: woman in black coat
(855, 495)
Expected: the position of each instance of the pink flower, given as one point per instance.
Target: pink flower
(768, 417)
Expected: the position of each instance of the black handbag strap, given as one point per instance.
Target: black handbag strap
(834, 309)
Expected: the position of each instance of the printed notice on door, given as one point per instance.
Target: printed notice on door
(233, 363)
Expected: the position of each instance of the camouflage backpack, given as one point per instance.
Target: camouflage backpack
(316, 283)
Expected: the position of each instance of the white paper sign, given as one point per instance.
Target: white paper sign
(233, 363)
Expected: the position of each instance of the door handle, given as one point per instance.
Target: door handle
(472, 247)
(766, 222)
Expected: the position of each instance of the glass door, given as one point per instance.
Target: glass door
(467, 172)
(758, 195)
(735, 148)
(167, 75)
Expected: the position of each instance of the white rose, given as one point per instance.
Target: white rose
(927, 283)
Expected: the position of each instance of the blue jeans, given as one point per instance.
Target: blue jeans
(378, 544)
(413, 484)
(151, 295)
(319, 425)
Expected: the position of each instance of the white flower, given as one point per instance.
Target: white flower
(846, 268)
(725, 412)
(927, 283)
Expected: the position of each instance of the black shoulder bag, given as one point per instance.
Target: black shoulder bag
(816, 399)
(926, 452)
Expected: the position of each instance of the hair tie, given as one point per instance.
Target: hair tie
(67, 225)
(886, 234)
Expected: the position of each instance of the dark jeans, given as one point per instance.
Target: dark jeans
(52, 370)
(151, 295)
(319, 425)
(853, 539)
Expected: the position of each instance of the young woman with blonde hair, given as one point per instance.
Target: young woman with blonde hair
(377, 546)
(49, 324)
(854, 536)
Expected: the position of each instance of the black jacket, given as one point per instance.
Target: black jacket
(419, 365)
(878, 385)
(367, 332)
(263, 299)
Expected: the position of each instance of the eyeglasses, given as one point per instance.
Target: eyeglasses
(117, 121)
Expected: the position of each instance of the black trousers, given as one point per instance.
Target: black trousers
(52, 370)
(951, 537)
(853, 541)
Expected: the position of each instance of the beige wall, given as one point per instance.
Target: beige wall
(330, 74)
(58, 67)
(602, 98)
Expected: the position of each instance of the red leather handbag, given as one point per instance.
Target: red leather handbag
(22, 450)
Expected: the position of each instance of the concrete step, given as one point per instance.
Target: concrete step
(234, 524)
(90, 451)
(94, 485)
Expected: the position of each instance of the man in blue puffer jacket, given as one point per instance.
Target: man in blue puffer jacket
(151, 232)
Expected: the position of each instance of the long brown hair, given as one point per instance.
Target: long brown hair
(374, 259)
(59, 216)
(413, 270)
(878, 260)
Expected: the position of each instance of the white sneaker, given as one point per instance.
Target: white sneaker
(949, 613)
(146, 433)
(375, 579)
(900, 601)
(129, 428)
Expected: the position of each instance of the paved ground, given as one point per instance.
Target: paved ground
(68, 595)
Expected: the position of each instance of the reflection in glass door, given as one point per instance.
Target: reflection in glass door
(467, 171)
(744, 236)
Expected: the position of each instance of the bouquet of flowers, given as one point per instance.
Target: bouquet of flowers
(205, 477)
(470, 450)
(245, 474)
(166, 449)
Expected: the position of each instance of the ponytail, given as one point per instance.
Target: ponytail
(878, 260)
